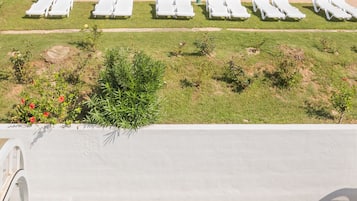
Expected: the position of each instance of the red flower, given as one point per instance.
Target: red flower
(61, 99)
(23, 101)
(46, 114)
(32, 106)
(32, 120)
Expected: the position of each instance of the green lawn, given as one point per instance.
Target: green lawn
(143, 16)
(213, 101)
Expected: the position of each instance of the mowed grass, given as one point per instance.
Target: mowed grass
(12, 17)
(213, 101)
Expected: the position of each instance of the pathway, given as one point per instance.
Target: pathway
(204, 29)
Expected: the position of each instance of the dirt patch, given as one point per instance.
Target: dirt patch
(14, 91)
(295, 54)
(252, 51)
(58, 54)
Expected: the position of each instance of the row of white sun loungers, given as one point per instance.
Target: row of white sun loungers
(277, 9)
(174, 8)
(335, 9)
(50, 8)
(113, 8)
(226, 9)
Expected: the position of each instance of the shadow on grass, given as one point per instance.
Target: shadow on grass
(317, 111)
(4, 75)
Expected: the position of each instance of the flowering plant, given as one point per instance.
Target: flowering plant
(50, 102)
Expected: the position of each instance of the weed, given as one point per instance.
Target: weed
(327, 46)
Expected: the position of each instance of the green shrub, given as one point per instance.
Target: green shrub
(286, 75)
(236, 77)
(342, 99)
(19, 60)
(48, 101)
(126, 96)
(205, 45)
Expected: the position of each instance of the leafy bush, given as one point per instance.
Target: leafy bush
(127, 96)
(20, 64)
(236, 77)
(205, 45)
(48, 101)
(286, 75)
(342, 100)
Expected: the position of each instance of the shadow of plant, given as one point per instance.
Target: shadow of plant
(317, 111)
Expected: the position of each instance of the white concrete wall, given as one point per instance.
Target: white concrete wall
(191, 163)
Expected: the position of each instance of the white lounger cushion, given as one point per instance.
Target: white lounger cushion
(345, 7)
(61, 8)
(217, 8)
(267, 10)
(330, 10)
(289, 10)
(123, 8)
(184, 8)
(165, 8)
(41, 7)
(104, 8)
(236, 9)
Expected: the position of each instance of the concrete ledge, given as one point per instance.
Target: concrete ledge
(190, 162)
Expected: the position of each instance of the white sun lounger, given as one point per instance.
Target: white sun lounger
(184, 8)
(61, 8)
(41, 7)
(290, 11)
(217, 8)
(345, 7)
(123, 8)
(267, 10)
(236, 9)
(165, 8)
(330, 10)
(104, 8)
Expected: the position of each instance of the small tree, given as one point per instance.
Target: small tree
(286, 75)
(90, 39)
(342, 101)
(127, 96)
(205, 45)
(236, 77)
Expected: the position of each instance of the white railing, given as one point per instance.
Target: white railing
(13, 184)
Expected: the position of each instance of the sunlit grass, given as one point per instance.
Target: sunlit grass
(213, 101)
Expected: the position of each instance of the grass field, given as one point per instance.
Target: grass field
(213, 101)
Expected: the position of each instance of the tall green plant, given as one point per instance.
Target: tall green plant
(342, 101)
(127, 97)
(19, 60)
